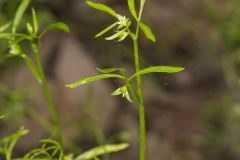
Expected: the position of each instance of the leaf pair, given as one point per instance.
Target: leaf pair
(108, 74)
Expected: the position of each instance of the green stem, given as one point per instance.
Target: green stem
(51, 105)
(142, 128)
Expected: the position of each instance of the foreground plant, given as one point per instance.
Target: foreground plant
(122, 29)
(50, 149)
(53, 150)
(34, 38)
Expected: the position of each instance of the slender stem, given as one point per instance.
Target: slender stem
(142, 128)
(51, 105)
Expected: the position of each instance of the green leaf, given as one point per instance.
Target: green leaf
(116, 35)
(141, 8)
(106, 30)
(93, 78)
(102, 7)
(18, 16)
(12, 35)
(29, 28)
(131, 6)
(109, 70)
(147, 31)
(35, 21)
(56, 26)
(105, 149)
(160, 69)
(4, 27)
(32, 67)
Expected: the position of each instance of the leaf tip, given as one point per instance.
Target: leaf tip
(69, 86)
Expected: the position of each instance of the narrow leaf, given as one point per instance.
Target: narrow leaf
(141, 9)
(35, 20)
(93, 78)
(105, 149)
(147, 31)
(116, 35)
(32, 67)
(106, 30)
(12, 35)
(160, 69)
(56, 26)
(18, 16)
(131, 6)
(4, 27)
(102, 7)
(109, 70)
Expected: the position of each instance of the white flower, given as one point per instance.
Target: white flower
(122, 21)
(122, 90)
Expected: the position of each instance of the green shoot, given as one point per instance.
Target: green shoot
(7, 144)
(33, 37)
(122, 31)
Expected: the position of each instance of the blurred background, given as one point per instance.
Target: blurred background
(193, 115)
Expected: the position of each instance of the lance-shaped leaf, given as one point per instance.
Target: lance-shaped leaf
(102, 7)
(106, 30)
(58, 26)
(158, 69)
(4, 27)
(101, 150)
(147, 31)
(93, 78)
(12, 35)
(141, 8)
(19, 14)
(131, 6)
(35, 21)
(116, 35)
(110, 70)
(32, 67)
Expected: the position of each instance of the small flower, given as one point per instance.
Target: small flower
(122, 90)
(122, 21)
(121, 29)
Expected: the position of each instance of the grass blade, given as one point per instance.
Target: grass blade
(158, 69)
(93, 78)
(102, 7)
